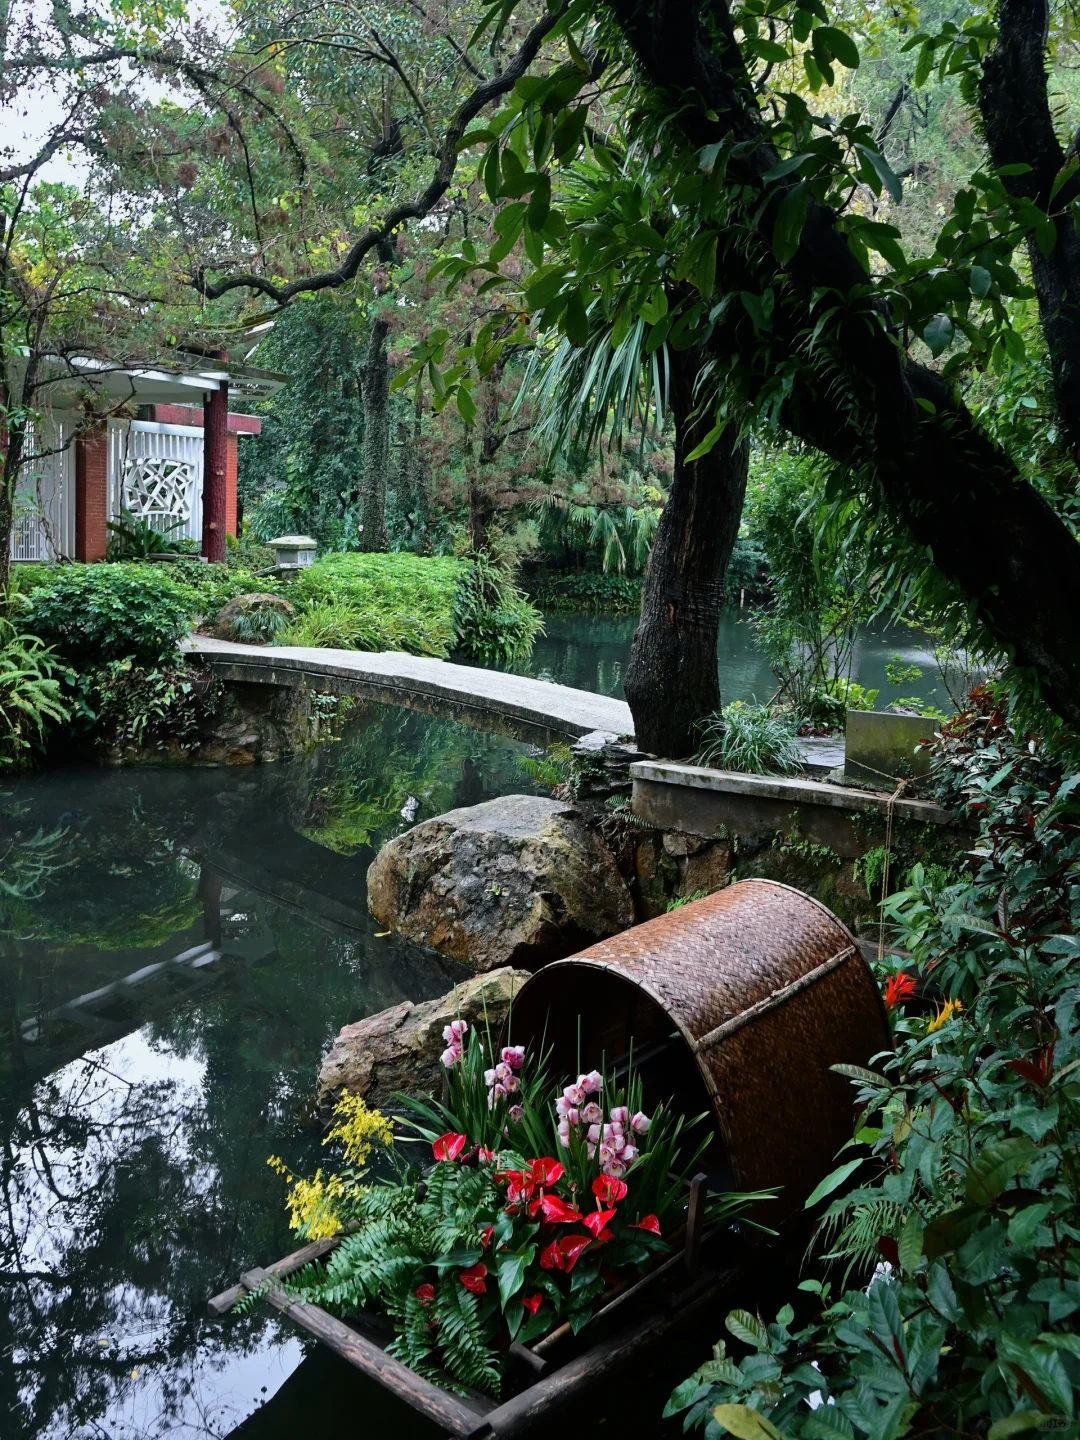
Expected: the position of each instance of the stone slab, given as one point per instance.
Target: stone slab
(416, 679)
(882, 745)
(791, 791)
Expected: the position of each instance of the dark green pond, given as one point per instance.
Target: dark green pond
(177, 950)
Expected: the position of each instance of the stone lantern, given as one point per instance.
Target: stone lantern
(293, 552)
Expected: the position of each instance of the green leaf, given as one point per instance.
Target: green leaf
(785, 167)
(1016, 1422)
(884, 170)
(704, 276)
(707, 444)
(831, 1182)
(910, 1243)
(860, 1073)
(575, 322)
(749, 1329)
(744, 1423)
(466, 405)
(980, 281)
(790, 219)
(511, 1276)
(995, 1166)
(840, 44)
(938, 334)
(1063, 177)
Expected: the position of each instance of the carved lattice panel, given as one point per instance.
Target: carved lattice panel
(158, 485)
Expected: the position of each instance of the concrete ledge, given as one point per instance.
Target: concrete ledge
(489, 698)
(791, 791)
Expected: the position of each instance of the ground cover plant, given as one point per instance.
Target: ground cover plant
(520, 1205)
(944, 1287)
(755, 739)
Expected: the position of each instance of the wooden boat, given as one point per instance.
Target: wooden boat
(737, 1005)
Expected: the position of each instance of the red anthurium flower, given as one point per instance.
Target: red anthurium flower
(650, 1223)
(597, 1220)
(486, 1156)
(898, 988)
(520, 1187)
(571, 1247)
(473, 1279)
(551, 1257)
(545, 1171)
(604, 1237)
(557, 1211)
(609, 1189)
(449, 1146)
(485, 1238)
(426, 1294)
(532, 1303)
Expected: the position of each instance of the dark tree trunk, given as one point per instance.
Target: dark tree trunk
(1020, 130)
(961, 498)
(215, 467)
(673, 681)
(375, 385)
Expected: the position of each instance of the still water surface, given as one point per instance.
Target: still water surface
(177, 950)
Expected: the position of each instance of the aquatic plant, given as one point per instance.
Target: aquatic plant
(750, 738)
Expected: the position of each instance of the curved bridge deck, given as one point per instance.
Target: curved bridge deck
(489, 698)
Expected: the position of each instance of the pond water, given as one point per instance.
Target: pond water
(592, 650)
(177, 950)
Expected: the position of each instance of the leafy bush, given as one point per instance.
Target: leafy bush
(749, 738)
(159, 707)
(826, 703)
(259, 625)
(325, 624)
(966, 1153)
(209, 587)
(591, 590)
(30, 696)
(94, 614)
(494, 621)
(399, 602)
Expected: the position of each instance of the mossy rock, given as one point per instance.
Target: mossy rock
(253, 619)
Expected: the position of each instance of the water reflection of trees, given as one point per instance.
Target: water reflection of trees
(133, 1181)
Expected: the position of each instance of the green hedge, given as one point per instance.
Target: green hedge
(591, 590)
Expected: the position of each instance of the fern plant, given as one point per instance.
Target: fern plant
(30, 695)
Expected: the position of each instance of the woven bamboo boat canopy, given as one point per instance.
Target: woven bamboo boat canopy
(738, 1003)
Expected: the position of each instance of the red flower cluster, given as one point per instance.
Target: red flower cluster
(898, 988)
(449, 1146)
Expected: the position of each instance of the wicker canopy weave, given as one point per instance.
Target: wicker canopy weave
(739, 1002)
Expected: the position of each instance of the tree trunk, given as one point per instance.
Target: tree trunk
(375, 384)
(673, 680)
(961, 498)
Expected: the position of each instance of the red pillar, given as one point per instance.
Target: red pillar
(232, 471)
(91, 492)
(215, 466)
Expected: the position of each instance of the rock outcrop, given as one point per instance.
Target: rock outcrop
(399, 1048)
(520, 880)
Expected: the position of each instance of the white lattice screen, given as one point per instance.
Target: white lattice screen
(44, 527)
(159, 468)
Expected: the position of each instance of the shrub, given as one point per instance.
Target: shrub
(30, 698)
(94, 614)
(325, 624)
(159, 707)
(591, 590)
(134, 539)
(398, 602)
(751, 739)
(260, 624)
(965, 1149)
(494, 621)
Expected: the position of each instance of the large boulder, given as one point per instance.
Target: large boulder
(516, 881)
(253, 619)
(399, 1048)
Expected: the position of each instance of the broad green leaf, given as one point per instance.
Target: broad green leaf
(466, 405)
(575, 321)
(885, 172)
(785, 167)
(749, 1329)
(980, 281)
(831, 1182)
(744, 1423)
(938, 334)
(910, 1242)
(840, 44)
(860, 1073)
(1016, 1422)
(790, 219)
(995, 1166)
(511, 1276)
